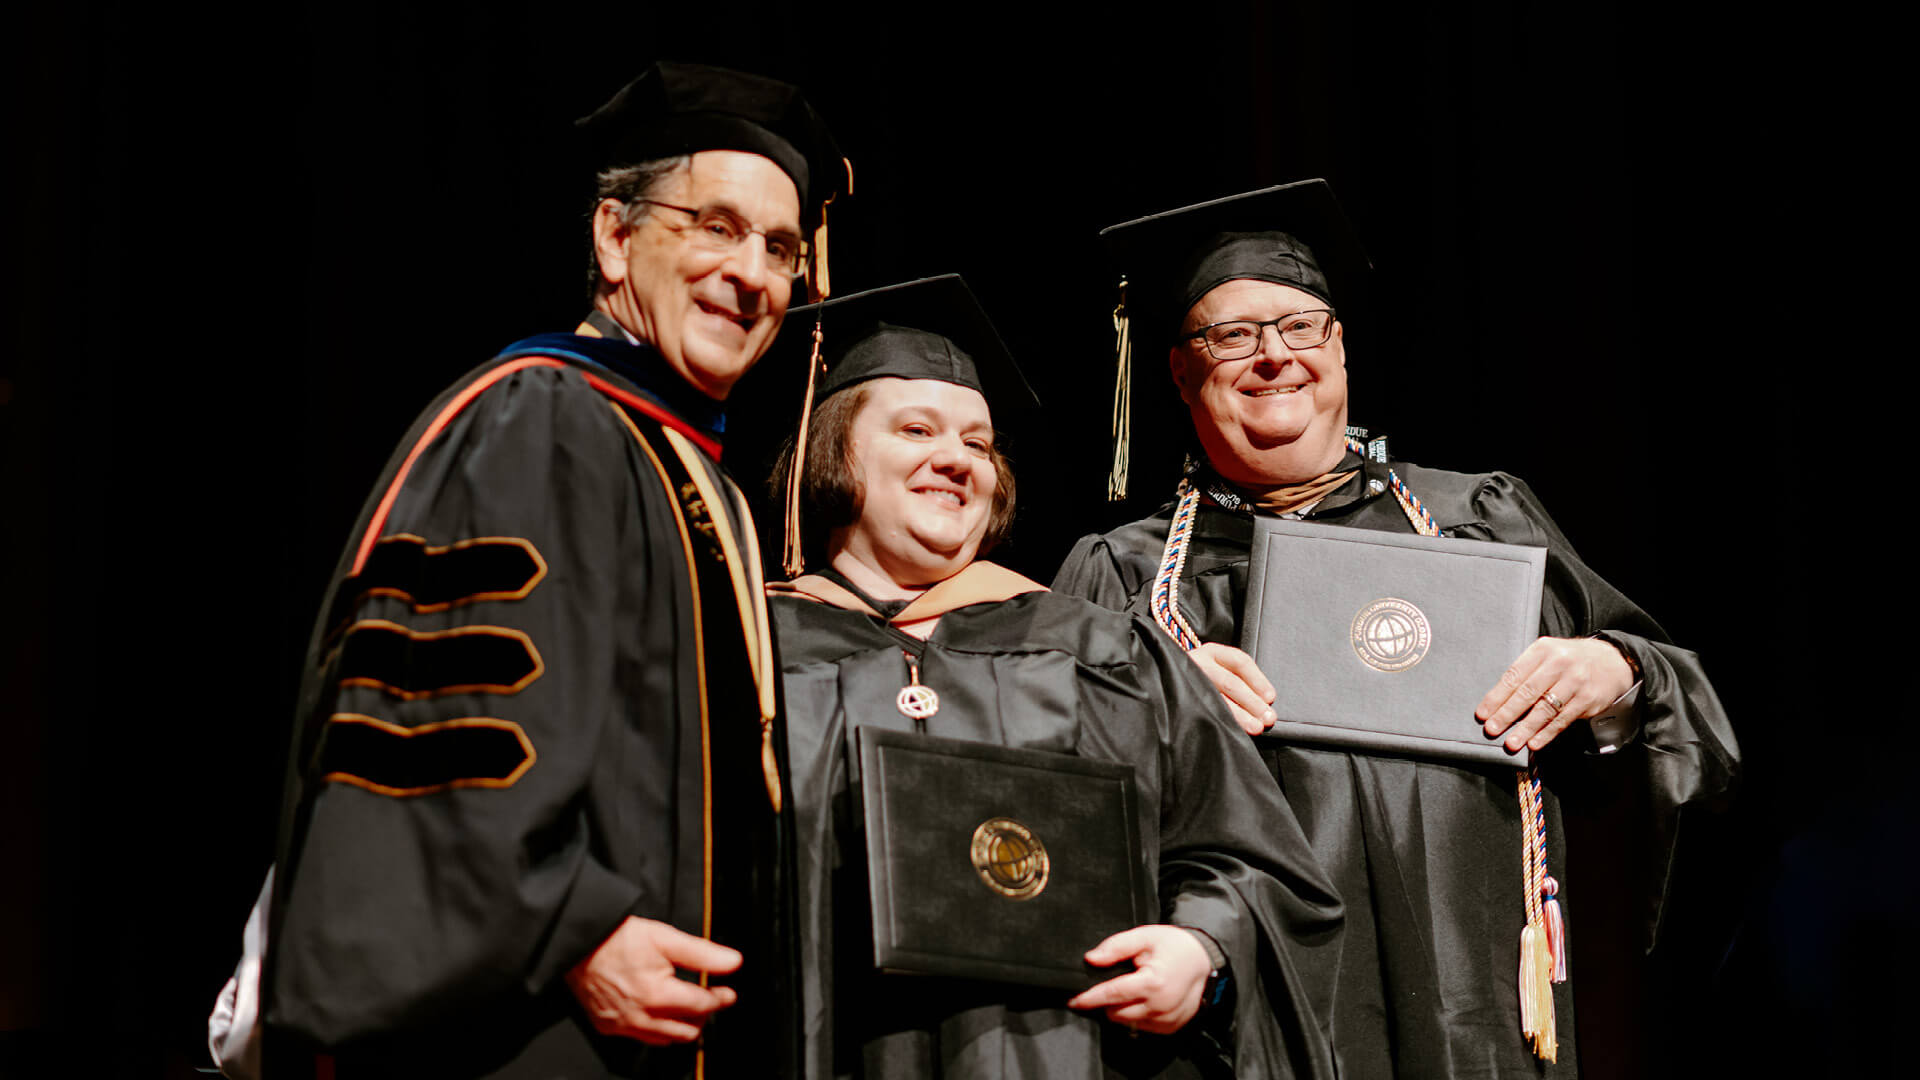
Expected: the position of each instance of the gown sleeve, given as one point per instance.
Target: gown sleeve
(449, 855)
(1235, 864)
(1685, 744)
(1092, 573)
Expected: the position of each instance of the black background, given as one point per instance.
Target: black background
(245, 249)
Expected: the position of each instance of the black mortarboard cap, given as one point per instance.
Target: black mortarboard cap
(932, 328)
(674, 109)
(1294, 234)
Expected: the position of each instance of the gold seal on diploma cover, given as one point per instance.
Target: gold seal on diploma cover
(1391, 635)
(1009, 858)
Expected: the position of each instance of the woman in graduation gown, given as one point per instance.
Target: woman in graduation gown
(901, 487)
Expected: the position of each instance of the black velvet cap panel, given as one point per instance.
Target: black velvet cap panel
(473, 659)
(486, 753)
(1293, 234)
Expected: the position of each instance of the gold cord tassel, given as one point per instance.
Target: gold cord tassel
(819, 282)
(792, 558)
(1536, 993)
(1536, 957)
(1122, 427)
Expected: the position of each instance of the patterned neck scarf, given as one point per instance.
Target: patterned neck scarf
(1284, 499)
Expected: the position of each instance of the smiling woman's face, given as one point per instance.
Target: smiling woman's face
(921, 451)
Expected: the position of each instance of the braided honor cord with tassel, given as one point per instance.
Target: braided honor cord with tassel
(1543, 941)
(1165, 598)
(1543, 957)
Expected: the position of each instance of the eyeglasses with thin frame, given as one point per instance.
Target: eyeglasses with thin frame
(720, 230)
(1241, 337)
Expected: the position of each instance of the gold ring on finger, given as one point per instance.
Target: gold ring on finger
(1555, 702)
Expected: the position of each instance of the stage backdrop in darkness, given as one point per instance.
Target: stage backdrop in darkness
(247, 248)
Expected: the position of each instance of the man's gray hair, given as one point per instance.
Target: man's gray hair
(630, 184)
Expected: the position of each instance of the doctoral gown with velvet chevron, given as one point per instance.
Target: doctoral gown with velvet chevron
(530, 712)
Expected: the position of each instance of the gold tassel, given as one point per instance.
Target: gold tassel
(1122, 426)
(792, 558)
(1536, 992)
(819, 283)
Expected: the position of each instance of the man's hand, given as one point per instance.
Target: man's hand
(1238, 679)
(1163, 991)
(1584, 675)
(628, 986)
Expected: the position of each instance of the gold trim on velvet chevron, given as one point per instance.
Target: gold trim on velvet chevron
(391, 759)
(411, 664)
(434, 578)
(450, 575)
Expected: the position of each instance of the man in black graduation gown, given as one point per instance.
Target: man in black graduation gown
(1426, 854)
(536, 822)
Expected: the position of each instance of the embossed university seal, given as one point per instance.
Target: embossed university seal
(1009, 858)
(1391, 635)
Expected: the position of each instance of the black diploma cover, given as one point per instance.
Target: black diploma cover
(1383, 642)
(989, 862)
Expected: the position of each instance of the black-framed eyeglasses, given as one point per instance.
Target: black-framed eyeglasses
(721, 230)
(1241, 337)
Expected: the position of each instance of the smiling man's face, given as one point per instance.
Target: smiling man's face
(710, 314)
(1278, 416)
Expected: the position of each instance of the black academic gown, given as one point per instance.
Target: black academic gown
(1427, 855)
(532, 709)
(1051, 672)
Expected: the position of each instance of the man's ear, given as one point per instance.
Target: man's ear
(1177, 359)
(611, 241)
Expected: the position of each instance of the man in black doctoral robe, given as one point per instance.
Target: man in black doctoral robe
(1427, 855)
(536, 820)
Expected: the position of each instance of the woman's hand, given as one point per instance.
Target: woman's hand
(1162, 993)
(1239, 680)
(1555, 682)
